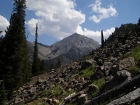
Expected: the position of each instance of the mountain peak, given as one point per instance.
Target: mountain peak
(75, 34)
(70, 48)
(74, 41)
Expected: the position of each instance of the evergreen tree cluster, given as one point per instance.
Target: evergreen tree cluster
(15, 67)
(14, 59)
(57, 64)
(3, 95)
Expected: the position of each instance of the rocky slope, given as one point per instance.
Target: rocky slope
(69, 49)
(106, 76)
(83, 44)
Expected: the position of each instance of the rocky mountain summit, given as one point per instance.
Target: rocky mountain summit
(109, 75)
(69, 49)
(83, 44)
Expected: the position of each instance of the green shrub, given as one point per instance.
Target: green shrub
(134, 69)
(88, 71)
(125, 56)
(57, 91)
(68, 93)
(136, 53)
(99, 82)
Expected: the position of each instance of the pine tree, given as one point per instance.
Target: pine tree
(3, 95)
(1, 57)
(138, 27)
(36, 60)
(52, 66)
(138, 22)
(102, 39)
(42, 66)
(59, 63)
(16, 66)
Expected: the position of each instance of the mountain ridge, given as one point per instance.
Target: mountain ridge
(76, 44)
(75, 40)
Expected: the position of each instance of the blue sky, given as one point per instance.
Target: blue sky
(58, 19)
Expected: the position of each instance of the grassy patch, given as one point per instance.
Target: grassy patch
(134, 69)
(92, 94)
(125, 56)
(68, 93)
(99, 82)
(88, 71)
(44, 93)
(136, 53)
(37, 102)
(57, 91)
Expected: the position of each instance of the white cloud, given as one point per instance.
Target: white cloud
(60, 19)
(55, 17)
(103, 13)
(96, 35)
(3, 24)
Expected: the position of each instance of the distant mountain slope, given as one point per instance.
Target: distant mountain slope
(83, 44)
(70, 49)
(43, 50)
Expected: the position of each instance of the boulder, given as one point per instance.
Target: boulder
(93, 87)
(124, 100)
(126, 63)
(98, 74)
(18, 100)
(49, 101)
(55, 101)
(33, 89)
(108, 78)
(100, 62)
(114, 69)
(81, 80)
(87, 63)
(82, 99)
(123, 74)
(107, 65)
(113, 60)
